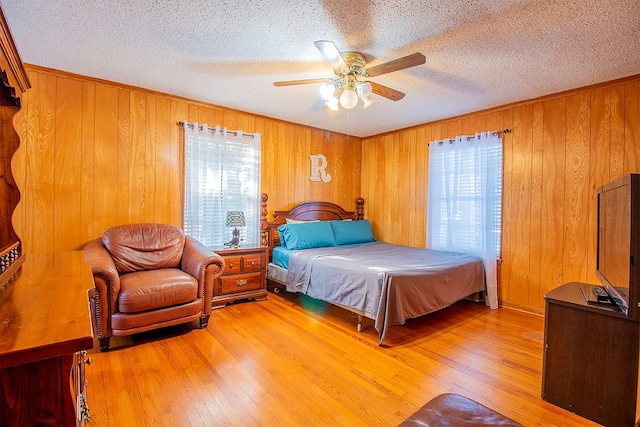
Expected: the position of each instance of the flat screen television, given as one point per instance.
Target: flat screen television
(618, 241)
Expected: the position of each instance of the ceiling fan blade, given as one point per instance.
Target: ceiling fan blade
(387, 92)
(300, 82)
(397, 64)
(332, 54)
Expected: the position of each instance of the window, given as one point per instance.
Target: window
(464, 199)
(222, 173)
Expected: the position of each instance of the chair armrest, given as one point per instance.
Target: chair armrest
(203, 264)
(107, 284)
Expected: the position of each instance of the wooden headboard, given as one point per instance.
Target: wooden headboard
(308, 211)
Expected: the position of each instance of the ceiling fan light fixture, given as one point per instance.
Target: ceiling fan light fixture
(348, 99)
(349, 67)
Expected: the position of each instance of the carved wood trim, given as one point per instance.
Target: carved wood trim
(16, 75)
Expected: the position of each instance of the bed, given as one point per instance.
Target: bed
(330, 254)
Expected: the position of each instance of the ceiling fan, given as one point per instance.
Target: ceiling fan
(350, 83)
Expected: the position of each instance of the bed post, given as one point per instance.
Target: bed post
(359, 209)
(264, 225)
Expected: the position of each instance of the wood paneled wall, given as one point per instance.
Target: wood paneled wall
(560, 149)
(95, 154)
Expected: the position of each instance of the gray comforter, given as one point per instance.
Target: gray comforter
(388, 283)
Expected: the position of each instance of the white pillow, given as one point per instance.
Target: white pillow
(295, 221)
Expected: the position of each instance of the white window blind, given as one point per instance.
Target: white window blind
(464, 199)
(222, 173)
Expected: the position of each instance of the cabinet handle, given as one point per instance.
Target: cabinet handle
(230, 265)
(241, 282)
(253, 263)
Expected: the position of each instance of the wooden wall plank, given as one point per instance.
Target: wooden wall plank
(414, 205)
(269, 163)
(107, 179)
(632, 127)
(67, 164)
(535, 289)
(137, 158)
(175, 159)
(616, 158)
(516, 267)
(88, 177)
(553, 188)
(167, 191)
(123, 155)
(40, 166)
(151, 208)
(577, 191)
(301, 162)
(599, 150)
(421, 160)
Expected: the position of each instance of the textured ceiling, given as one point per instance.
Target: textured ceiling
(480, 53)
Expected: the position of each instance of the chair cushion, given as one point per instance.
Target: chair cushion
(136, 247)
(154, 289)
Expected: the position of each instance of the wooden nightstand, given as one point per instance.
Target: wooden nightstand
(243, 276)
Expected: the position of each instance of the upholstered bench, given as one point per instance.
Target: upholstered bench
(454, 410)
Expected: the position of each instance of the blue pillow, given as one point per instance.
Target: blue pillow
(350, 232)
(306, 236)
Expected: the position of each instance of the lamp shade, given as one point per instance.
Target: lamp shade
(235, 219)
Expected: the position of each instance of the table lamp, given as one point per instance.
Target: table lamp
(235, 219)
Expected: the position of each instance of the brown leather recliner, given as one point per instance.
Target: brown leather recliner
(149, 276)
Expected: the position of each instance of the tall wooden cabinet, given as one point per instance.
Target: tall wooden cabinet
(45, 322)
(591, 356)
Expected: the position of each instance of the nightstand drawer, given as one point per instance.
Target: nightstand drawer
(242, 263)
(240, 283)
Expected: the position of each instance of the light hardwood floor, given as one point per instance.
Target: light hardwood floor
(293, 361)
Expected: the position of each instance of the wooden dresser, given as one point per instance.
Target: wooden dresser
(244, 275)
(45, 330)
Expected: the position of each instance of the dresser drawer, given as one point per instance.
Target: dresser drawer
(240, 283)
(242, 263)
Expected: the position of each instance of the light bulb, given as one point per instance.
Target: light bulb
(332, 104)
(364, 89)
(327, 90)
(367, 101)
(348, 99)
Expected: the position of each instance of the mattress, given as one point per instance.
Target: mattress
(388, 283)
(276, 273)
